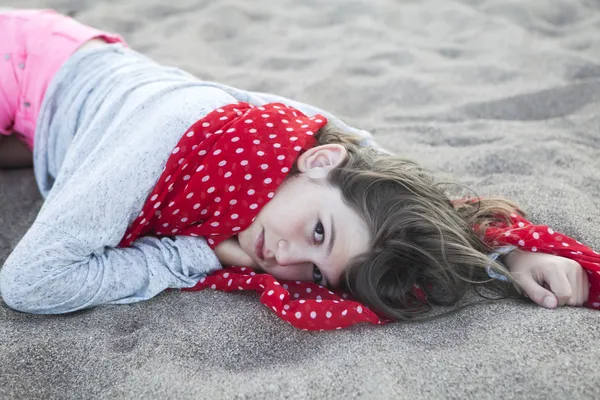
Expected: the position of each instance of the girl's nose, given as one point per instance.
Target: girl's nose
(282, 253)
(281, 247)
(286, 254)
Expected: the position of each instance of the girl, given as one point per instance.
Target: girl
(111, 133)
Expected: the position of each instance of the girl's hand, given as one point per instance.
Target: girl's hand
(549, 280)
(230, 253)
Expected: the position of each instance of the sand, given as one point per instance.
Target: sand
(500, 95)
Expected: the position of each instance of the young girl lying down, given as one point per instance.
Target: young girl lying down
(154, 179)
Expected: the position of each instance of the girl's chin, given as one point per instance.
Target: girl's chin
(256, 268)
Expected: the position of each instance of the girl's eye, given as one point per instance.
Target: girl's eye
(319, 231)
(317, 276)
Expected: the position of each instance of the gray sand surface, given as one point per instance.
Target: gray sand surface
(502, 95)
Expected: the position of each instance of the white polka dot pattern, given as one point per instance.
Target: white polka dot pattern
(317, 309)
(232, 167)
(203, 204)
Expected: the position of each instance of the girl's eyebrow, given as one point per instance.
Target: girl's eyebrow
(331, 237)
(330, 246)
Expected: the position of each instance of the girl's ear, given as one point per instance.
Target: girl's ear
(318, 161)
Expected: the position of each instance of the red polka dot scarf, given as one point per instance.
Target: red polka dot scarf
(228, 165)
(224, 170)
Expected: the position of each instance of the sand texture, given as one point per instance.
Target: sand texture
(503, 95)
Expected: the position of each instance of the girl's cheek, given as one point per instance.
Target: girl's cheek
(287, 273)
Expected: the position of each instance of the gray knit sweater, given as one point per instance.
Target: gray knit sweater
(107, 126)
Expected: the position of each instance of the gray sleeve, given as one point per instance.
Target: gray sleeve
(52, 272)
(68, 260)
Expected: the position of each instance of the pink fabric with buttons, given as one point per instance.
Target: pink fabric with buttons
(228, 165)
(34, 45)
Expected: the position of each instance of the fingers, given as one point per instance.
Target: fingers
(586, 286)
(560, 286)
(580, 284)
(535, 291)
(569, 283)
(577, 282)
(550, 280)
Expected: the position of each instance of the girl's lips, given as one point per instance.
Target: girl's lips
(260, 242)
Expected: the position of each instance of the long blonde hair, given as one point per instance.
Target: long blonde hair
(419, 236)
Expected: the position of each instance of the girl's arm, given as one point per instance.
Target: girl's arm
(69, 259)
(53, 272)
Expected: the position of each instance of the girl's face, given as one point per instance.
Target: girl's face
(307, 232)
